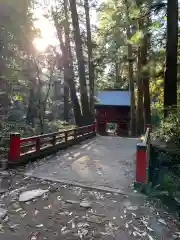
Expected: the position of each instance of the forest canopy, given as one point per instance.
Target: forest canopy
(56, 54)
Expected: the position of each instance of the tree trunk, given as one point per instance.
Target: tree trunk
(131, 88)
(68, 66)
(117, 73)
(81, 66)
(139, 113)
(130, 75)
(145, 80)
(90, 60)
(170, 81)
(66, 100)
(65, 68)
(31, 112)
(70, 76)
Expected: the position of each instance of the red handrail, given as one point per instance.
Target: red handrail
(17, 144)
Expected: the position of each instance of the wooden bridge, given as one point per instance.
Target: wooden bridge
(86, 160)
(79, 156)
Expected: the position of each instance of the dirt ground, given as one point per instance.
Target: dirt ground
(54, 209)
(69, 213)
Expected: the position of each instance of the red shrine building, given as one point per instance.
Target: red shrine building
(113, 106)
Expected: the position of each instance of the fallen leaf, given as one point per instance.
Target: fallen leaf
(72, 201)
(150, 237)
(23, 214)
(39, 226)
(141, 234)
(85, 204)
(3, 213)
(48, 207)
(66, 232)
(63, 228)
(82, 232)
(73, 224)
(150, 229)
(13, 227)
(144, 222)
(18, 210)
(162, 221)
(95, 219)
(80, 225)
(6, 219)
(35, 236)
(36, 212)
(132, 208)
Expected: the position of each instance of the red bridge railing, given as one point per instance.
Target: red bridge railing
(142, 162)
(41, 145)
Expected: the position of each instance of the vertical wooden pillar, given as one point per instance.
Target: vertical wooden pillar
(142, 168)
(14, 147)
(141, 163)
(54, 141)
(38, 144)
(66, 136)
(118, 129)
(149, 126)
(94, 127)
(101, 128)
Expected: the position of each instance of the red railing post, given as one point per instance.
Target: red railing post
(75, 134)
(94, 126)
(54, 141)
(66, 137)
(14, 147)
(38, 145)
(149, 126)
(141, 163)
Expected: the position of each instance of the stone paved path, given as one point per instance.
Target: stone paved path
(101, 162)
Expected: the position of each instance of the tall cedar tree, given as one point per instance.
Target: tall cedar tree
(81, 65)
(170, 80)
(67, 66)
(90, 60)
(130, 71)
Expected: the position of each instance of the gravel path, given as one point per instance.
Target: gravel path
(67, 212)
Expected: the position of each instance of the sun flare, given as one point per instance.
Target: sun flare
(40, 44)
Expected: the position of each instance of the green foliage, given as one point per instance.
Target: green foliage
(136, 38)
(170, 183)
(169, 130)
(27, 76)
(111, 39)
(26, 131)
(57, 125)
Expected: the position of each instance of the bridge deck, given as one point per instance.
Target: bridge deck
(102, 162)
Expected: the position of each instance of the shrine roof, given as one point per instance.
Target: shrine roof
(113, 98)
